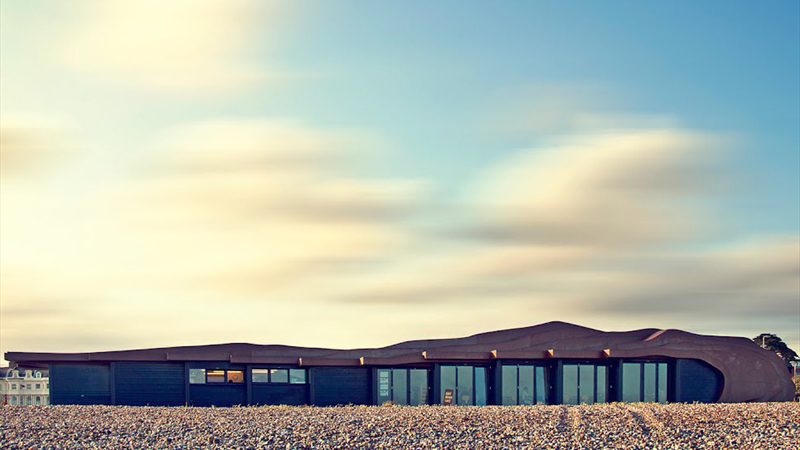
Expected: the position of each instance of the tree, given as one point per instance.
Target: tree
(773, 342)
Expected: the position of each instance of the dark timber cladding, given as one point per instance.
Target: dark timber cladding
(552, 363)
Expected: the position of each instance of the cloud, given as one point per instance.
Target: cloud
(31, 145)
(616, 188)
(184, 46)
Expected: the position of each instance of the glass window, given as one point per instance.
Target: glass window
(235, 376)
(464, 389)
(480, 386)
(649, 382)
(400, 386)
(602, 385)
(419, 387)
(541, 386)
(38, 400)
(215, 376)
(448, 381)
(586, 385)
(279, 376)
(297, 376)
(509, 385)
(13, 400)
(570, 385)
(662, 382)
(38, 386)
(631, 382)
(525, 385)
(13, 385)
(384, 385)
(260, 375)
(197, 376)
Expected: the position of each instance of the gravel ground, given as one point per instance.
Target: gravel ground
(621, 426)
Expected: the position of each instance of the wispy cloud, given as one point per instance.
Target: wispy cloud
(182, 46)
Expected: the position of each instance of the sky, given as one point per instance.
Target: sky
(355, 174)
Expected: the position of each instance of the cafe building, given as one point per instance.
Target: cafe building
(552, 363)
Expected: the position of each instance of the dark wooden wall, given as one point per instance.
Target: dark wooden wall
(149, 383)
(80, 384)
(696, 381)
(340, 386)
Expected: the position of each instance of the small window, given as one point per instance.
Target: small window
(38, 400)
(297, 376)
(215, 376)
(235, 376)
(13, 385)
(38, 386)
(196, 376)
(279, 376)
(260, 375)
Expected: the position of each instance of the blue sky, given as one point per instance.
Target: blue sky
(632, 144)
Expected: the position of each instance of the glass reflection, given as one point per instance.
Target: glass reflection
(570, 385)
(480, 386)
(541, 389)
(509, 374)
(631, 382)
(419, 387)
(465, 385)
(662, 383)
(400, 387)
(586, 384)
(448, 381)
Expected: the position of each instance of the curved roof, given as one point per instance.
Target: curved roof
(750, 373)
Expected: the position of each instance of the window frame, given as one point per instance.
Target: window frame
(269, 372)
(474, 367)
(516, 365)
(641, 363)
(408, 372)
(225, 377)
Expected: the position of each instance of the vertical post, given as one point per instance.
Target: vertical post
(186, 383)
(112, 385)
(248, 378)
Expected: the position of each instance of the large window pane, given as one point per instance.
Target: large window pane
(631, 376)
(525, 385)
(279, 376)
(464, 390)
(260, 375)
(649, 382)
(586, 388)
(480, 386)
(196, 376)
(509, 385)
(541, 386)
(235, 376)
(419, 387)
(297, 376)
(400, 387)
(570, 385)
(215, 376)
(384, 394)
(448, 381)
(662, 382)
(602, 384)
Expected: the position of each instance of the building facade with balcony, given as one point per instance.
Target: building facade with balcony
(24, 386)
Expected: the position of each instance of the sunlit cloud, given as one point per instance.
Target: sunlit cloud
(181, 46)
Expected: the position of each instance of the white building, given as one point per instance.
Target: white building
(24, 387)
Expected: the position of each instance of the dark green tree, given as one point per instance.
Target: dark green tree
(776, 344)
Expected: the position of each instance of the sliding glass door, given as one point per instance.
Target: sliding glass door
(584, 383)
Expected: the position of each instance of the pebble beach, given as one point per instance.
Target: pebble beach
(619, 426)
